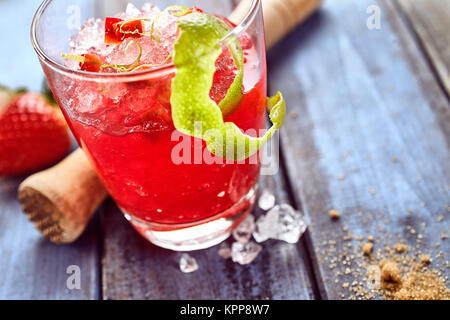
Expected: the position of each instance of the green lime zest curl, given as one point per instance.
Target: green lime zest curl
(234, 94)
(74, 57)
(193, 112)
(153, 65)
(177, 10)
(229, 142)
(147, 34)
(125, 67)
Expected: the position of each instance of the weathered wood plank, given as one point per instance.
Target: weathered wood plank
(136, 269)
(431, 21)
(30, 266)
(364, 98)
(33, 268)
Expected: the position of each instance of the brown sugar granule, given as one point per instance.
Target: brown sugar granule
(334, 214)
(367, 248)
(400, 247)
(390, 271)
(406, 271)
(421, 285)
(404, 277)
(425, 259)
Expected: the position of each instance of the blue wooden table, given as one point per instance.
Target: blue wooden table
(368, 134)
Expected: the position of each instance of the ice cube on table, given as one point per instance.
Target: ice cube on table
(244, 231)
(266, 200)
(282, 222)
(187, 263)
(245, 253)
(224, 251)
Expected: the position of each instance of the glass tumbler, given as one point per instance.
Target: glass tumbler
(169, 187)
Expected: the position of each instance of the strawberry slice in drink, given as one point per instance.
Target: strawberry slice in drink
(224, 76)
(92, 62)
(117, 30)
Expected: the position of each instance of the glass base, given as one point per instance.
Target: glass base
(197, 235)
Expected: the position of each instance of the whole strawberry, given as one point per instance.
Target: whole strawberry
(33, 133)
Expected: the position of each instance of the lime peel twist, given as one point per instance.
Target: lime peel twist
(194, 113)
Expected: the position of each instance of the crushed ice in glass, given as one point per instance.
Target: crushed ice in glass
(244, 231)
(155, 50)
(119, 108)
(224, 251)
(187, 263)
(266, 200)
(130, 12)
(282, 222)
(245, 253)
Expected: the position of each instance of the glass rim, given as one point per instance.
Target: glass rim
(134, 75)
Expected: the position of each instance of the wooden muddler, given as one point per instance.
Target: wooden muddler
(280, 16)
(61, 200)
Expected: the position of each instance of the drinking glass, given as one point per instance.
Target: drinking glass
(171, 189)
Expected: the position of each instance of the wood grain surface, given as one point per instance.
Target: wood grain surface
(31, 267)
(430, 20)
(371, 138)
